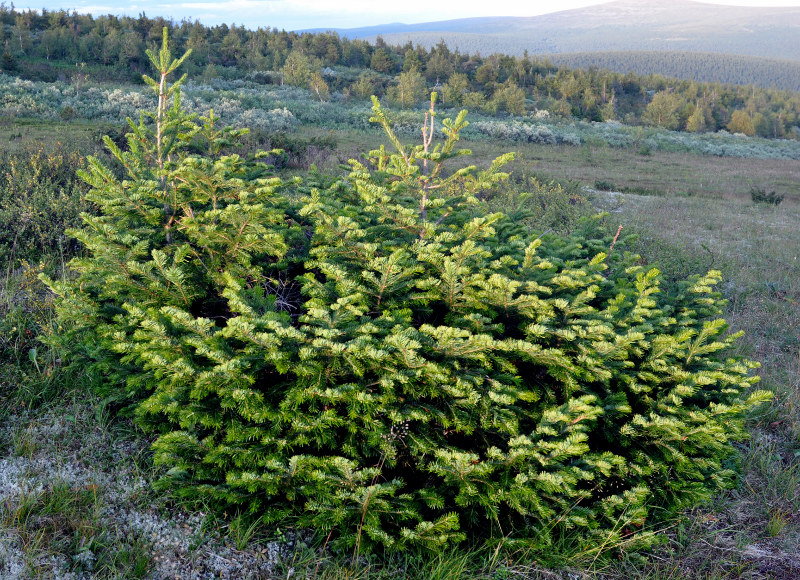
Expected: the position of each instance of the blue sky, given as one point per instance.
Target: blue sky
(300, 14)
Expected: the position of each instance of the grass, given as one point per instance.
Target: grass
(60, 477)
(18, 134)
(75, 481)
(62, 521)
(662, 173)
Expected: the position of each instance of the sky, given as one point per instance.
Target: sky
(302, 14)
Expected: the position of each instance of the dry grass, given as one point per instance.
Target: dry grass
(664, 173)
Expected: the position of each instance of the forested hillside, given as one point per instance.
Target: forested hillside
(71, 47)
(704, 67)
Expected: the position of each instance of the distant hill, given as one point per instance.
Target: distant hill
(623, 25)
(696, 66)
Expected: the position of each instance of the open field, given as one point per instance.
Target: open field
(664, 173)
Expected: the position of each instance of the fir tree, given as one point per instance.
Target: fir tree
(387, 362)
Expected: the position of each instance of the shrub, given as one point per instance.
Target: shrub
(40, 196)
(761, 195)
(603, 185)
(541, 206)
(389, 363)
(295, 150)
(29, 371)
(67, 113)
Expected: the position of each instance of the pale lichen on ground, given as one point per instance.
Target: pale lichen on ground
(43, 450)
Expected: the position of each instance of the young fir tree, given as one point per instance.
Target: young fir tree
(388, 363)
(168, 234)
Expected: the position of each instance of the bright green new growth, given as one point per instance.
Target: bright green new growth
(386, 363)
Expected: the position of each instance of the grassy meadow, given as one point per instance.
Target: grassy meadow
(76, 499)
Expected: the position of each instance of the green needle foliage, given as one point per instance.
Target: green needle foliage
(387, 363)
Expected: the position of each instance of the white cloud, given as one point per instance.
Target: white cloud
(93, 9)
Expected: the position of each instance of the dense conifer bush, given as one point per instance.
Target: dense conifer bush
(384, 361)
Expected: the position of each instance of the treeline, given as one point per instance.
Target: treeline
(518, 37)
(50, 45)
(698, 66)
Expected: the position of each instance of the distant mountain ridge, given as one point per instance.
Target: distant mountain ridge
(622, 25)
